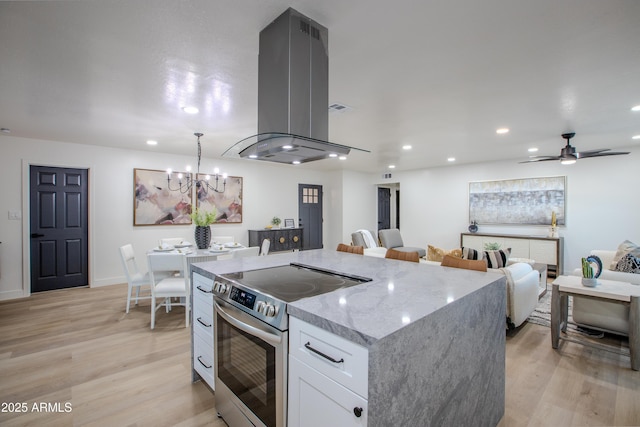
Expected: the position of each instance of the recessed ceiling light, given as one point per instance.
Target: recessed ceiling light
(635, 108)
(532, 149)
(152, 142)
(392, 166)
(406, 147)
(451, 159)
(253, 156)
(296, 162)
(287, 147)
(635, 137)
(502, 131)
(190, 110)
(333, 155)
(342, 158)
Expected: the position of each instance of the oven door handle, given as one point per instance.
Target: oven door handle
(252, 330)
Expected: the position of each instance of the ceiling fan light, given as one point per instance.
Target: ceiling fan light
(567, 161)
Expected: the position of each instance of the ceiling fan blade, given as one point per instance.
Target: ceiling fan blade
(541, 159)
(591, 152)
(586, 154)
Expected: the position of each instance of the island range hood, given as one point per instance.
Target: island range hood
(293, 95)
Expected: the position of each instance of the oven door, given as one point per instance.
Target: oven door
(251, 369)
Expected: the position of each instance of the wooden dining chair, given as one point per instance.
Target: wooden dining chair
(469, 264)
(403, 256)
(359, 250)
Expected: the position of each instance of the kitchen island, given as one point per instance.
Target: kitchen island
(434, 337)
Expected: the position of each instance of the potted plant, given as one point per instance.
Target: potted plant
(202, 220)
(275, 221)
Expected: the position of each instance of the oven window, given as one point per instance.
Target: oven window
(246, 365)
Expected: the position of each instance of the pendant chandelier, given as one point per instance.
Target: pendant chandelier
(186, 182)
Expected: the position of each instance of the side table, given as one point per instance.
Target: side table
(619, 292)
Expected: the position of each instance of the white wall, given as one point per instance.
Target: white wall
(359, 204)
(602, 202)
(268, 191)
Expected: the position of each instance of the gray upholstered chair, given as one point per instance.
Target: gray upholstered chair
(391, 239)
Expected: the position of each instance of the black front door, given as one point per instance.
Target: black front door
(59, 229)
(310, 211)
(384, 208)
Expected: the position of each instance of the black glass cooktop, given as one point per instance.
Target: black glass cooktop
(292, 282)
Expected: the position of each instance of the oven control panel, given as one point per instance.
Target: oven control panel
(240, 296)
(257, 304)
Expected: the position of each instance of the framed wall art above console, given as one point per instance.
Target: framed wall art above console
(526, 201)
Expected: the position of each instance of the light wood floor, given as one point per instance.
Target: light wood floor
(79, 347)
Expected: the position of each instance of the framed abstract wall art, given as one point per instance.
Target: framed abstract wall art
(526, 201)
(155, 204)
(228, 204)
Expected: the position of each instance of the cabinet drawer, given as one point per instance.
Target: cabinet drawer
(202, 318)
(339, 359)
(202, 288)
(203, 360)
(317, 401)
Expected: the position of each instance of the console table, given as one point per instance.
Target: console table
(544, 250)
(282, 239)
(607, 290)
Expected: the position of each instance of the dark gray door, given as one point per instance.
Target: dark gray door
(310, 211)
(59, 229)
(384, 208)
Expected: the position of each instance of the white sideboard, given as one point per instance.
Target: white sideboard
(544, 250)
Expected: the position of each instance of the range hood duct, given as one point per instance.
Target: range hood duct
(293, 94)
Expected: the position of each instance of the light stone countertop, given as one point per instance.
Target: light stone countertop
(400, 293)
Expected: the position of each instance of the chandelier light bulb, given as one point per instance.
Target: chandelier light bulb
(180, 176)
(216, 171)
(169, 171)
(208, 177)
(224, 175)
(188, 168)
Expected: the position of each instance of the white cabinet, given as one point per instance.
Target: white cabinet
(202, 329)
(544, 250)
(327, 378)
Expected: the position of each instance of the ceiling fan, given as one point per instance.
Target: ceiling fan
(569, 155)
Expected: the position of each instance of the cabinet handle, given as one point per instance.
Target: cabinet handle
(204, 290)
(295, 239)
(318, 352)
(357, 412)
(282, 240)
(206, 325)
(202, 363)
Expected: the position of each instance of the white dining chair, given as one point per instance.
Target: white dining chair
(171, 241)
(264, 249)
(245, 252)
(222, 239)
(135, 278)
(165, 288)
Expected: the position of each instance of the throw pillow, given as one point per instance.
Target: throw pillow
(624, 248)
(629, 264)
(497, 259)
(468, 253)
(436, 254)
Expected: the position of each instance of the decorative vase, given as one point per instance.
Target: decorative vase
(203, 236)
(473, 227)
(589, 283)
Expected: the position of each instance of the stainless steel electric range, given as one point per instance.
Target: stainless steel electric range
(251, 338)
